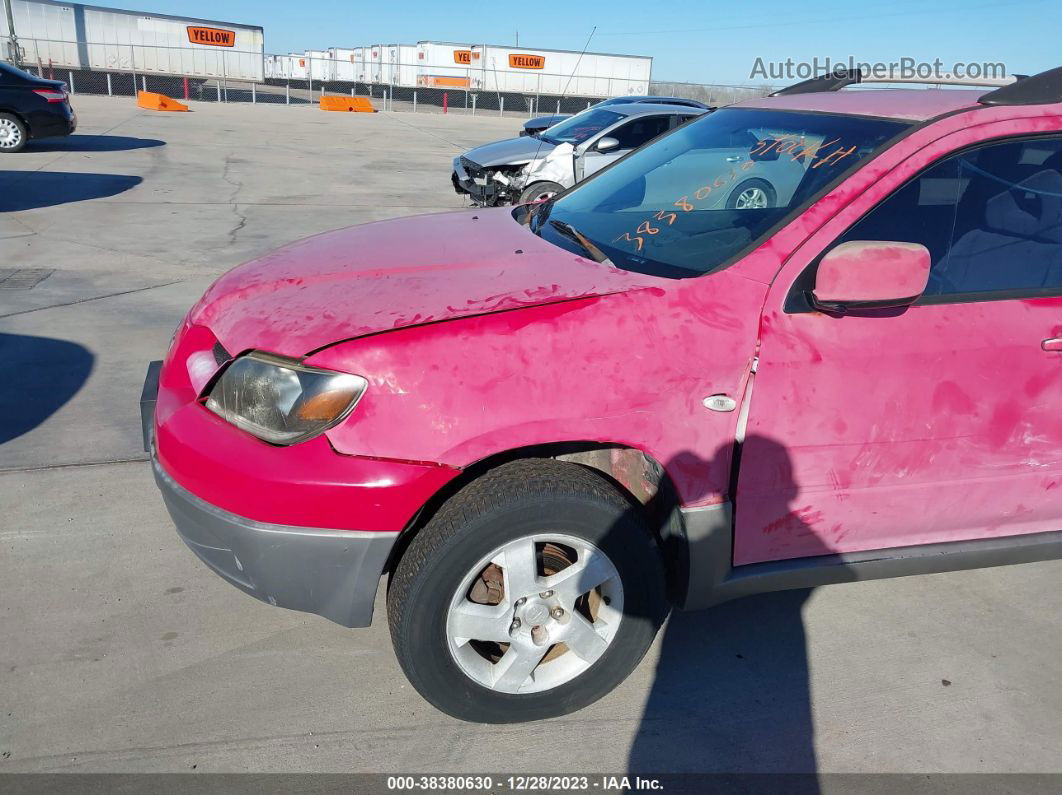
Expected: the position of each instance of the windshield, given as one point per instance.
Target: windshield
(581, 127)
(696, 199)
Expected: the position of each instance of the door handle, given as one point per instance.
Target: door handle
(733, 158)
(1054, 344)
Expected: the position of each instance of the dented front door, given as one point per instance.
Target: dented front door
(936, 423)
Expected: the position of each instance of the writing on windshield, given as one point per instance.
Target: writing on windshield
(695, 199)
(684, 204)
(798, 148)
(802, 151)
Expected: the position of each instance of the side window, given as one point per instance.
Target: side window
(679, 120)
(640, 130)
(991, 218)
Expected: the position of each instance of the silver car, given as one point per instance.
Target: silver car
(540, 124)
(527, 169)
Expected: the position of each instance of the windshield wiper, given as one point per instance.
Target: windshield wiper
(570, 232)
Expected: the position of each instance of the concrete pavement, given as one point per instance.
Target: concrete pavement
(121, 652)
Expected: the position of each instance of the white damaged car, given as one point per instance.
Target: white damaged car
(526, 169)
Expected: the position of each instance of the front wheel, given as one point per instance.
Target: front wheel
(533, 592)
(539, 192)
(13, 134)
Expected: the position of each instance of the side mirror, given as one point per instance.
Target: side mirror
(871, 274)
(606, 144)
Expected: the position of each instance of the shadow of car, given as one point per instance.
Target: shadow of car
(51, 371)
(29, 190)
(95, 143)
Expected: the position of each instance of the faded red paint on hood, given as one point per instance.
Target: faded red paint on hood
(395, 274)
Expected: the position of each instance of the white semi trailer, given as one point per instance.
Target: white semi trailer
(345, 64)
(76, 36)
(443, 64)
(286, 67)
(320, 65)
(535, 71)
(398, 65)
(524, 70)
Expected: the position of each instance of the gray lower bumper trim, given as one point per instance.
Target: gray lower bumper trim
(333, 573)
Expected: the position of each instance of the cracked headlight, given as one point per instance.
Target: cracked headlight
(282, 401)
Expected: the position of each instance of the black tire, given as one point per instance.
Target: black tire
(750, 184)
(12, 126)
(510, 502)
(539, 191)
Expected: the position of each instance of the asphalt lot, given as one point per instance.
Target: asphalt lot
(120, 652)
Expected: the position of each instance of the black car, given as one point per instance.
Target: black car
(31, 107)
(539, 123)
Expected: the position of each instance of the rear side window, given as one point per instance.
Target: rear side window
(640, 130)
(991, 218)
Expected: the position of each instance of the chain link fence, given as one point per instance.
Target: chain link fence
(213, 75)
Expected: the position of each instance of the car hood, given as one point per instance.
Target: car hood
(396, 274)
(511, 151)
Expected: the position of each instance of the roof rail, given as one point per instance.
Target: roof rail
(1044, 88)
(842, 78)
(832, 81)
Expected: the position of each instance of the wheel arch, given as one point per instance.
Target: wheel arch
(17, 114)
(538, 182)
(634, 473)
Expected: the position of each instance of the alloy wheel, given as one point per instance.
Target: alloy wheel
(535, 613)
(752, 199)
(10, 134)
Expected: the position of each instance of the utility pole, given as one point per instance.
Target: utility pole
(517, 38)
(13, 50)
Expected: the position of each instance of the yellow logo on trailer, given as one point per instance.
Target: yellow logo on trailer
(527, 61)
(213, 37)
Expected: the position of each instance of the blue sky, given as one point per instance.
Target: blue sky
(710, 42)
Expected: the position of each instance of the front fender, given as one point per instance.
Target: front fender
(557, 166)
(628, 368)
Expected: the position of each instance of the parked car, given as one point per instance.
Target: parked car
(539, 124)
(31, 107)
(528, 169)
(547, 424)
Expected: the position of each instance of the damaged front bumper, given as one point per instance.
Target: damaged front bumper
(485, 186)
